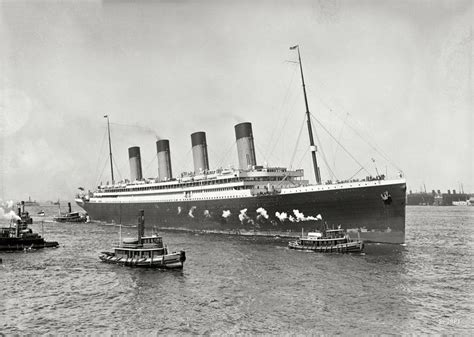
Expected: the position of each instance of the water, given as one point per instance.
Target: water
(246, 285)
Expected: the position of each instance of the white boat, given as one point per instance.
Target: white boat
(330, 241)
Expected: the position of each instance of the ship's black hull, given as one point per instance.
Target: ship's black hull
(363, 210)
(12, 244)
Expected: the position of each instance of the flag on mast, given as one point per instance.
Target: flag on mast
(294, 47)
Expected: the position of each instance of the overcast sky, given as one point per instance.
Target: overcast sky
(390, 80)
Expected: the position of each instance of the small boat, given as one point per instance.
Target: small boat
(20, 236)
(144, 251)
(30, 202)
(71, 216)
(331, 240)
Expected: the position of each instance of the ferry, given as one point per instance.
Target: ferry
(330, 241)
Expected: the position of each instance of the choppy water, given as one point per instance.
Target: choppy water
(246, 285)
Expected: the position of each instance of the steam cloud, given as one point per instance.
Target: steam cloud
(6, 204)
(226, 214)
(300, 217)
(243, 215)
(191, 211)
(262, 212)
(282, 216)
(11, 215)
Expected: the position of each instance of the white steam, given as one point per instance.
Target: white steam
(226, 214)
(262, 212)
(243, 215)
(11, 215)
(300, 217)
(282, 216)
(6, 204)
(190, 213)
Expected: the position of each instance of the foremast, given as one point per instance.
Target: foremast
(308, 121)
(110, 150)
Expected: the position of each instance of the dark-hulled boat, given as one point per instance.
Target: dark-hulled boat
(252, 199)
(70, 216)
(144, 251)
(329, 241)
(20, 237)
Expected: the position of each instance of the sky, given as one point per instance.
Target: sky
(389, 87)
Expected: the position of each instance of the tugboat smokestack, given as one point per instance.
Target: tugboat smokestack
(69, 207)
(141, 225)
(200, 157)
(245, 145)
(135, 163)
(164, 159)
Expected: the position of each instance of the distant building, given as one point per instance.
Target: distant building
(436, 198)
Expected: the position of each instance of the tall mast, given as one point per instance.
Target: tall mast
(110, 150)
(308, 121)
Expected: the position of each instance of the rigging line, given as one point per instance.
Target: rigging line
(146, 128)
(303, 156)
(323, 155)
(223, 157)
(100, 152)
(288, 115)
(339, 139)
(285, 99)
(118, 170)
(356, 173)
(329, 133)
(373, 146)
(151, 162)
(183, 163)
(260, 153)
(102, 172)
(347, 115)
(297, 142)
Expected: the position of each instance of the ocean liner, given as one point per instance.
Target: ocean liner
(251, 199)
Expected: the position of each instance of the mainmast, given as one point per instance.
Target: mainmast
(308, 120)
(110, 150)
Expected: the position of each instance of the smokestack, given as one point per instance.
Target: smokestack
(245, 146)
(135, 163)
(200, 158)
(69, 207)
(164, 159)
(141, 225)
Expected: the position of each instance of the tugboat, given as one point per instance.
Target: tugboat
(24, 216)
(20, 236)
(144, 251)
(331, 240)
(70, 216)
